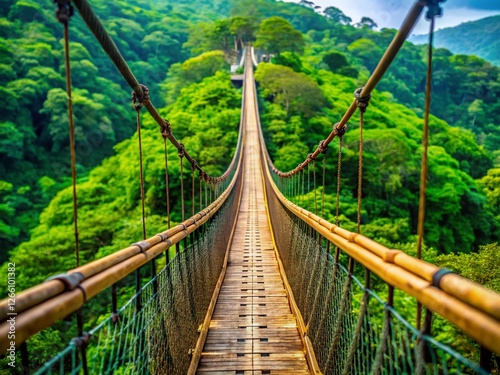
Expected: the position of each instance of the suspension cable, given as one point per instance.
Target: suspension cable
(384, 63)
(96, 27)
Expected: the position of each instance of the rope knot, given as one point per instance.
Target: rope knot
(339, 131)
(203, 175)
(137, 102)
(194, 165)
(311, 157)
(323, 147)
(64, 10)
(181, 152)
(362, 101)
(82, 340)
(166, 129)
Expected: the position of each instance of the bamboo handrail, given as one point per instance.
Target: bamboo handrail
(44, 314)
(469, 306)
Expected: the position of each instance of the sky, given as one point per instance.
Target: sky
(391, 13)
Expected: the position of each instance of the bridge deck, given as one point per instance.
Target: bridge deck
(252, 330)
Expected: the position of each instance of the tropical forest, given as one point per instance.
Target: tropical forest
(311, 60)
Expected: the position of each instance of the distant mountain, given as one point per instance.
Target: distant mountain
(478, 38)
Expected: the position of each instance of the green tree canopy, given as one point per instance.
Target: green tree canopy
(295, 91)
(277, 35)
(336, 15)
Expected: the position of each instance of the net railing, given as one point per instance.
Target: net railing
(353, 329)
(159, 338)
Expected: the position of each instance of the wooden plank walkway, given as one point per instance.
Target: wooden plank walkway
(252, 330)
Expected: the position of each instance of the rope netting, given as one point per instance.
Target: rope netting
(353, 329)
(158, 339)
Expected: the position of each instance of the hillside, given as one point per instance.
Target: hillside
(33, 127)
(478, 38)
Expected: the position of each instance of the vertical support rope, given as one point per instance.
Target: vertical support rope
(422, 356)
(362, 103)
(339, 170)
(201, 193)
(192, 191)
(303, 199)
(206, 193)
(323, 190)
(337, 203)
(378, 364)
(64, 13)
(181, 156)
(308, 187)
(167, 185)
(314, 187)
(425, 143)
(137, 104)
(360, 172)
(71, 134)
(141, 171)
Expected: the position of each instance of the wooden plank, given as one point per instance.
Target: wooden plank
(252, 330)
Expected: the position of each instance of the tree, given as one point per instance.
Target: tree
(307, 4)
(336, 15)
(295, 91)
(277, 35)
(368, 51)
(491, 187)
(366, 23)
(477, 267)
(335, 60)
(243, 28)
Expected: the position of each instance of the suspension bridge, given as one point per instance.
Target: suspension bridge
(255, 283)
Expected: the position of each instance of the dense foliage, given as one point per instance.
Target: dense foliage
(304, 97)
(181, 51)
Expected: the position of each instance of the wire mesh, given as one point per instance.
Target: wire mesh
(158, 339)
(352, 328)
